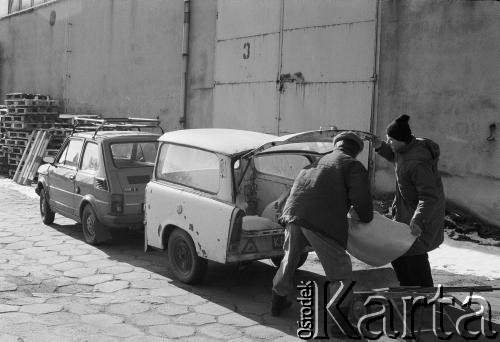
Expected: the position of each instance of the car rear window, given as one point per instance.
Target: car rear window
(134, 154)
(282, 165)
(189, 166)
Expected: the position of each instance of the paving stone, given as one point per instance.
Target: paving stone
(71, 251)
(221, 331)
(15, 317)
(57, 318)
(152, 299)
(171, 331)
(149, 318)
(96, 338)
(169, 291)
(123, 330)
(143, 338)
(128, 308)
(19, 245)
(95, 279)
(172, 309)
(101, 320)
(8, 308)
(53, 260)
(66, 266)
(22, 298)
(112, 286)
(149, 284)
(133, 276)
(82, 309)
(195, 318)
(116, 269)
(74, 288)
(63, 281)
(74, 331)
(6, 286)
(262, 332)
(190, 299)
(4, 234)
(40, 308)
(237, 320)
(10, 239)
(88, 257)
(46, 243)
(80, 272)
(213, 309)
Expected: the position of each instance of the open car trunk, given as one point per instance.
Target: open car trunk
(263, 183)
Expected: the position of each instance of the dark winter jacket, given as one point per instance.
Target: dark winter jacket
(322, 195)
(419, 191)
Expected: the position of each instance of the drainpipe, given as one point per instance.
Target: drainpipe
(374, 109)
(185, 61)
(280, 67)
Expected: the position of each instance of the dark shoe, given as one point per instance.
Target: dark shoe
(279, 303)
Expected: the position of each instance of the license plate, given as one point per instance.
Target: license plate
(278, 241)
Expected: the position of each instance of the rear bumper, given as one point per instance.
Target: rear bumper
(123, 221)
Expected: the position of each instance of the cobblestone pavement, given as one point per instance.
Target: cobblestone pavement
(55, 287)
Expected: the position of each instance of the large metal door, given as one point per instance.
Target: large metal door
(284, 66)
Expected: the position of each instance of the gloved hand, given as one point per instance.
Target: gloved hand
(375, 141)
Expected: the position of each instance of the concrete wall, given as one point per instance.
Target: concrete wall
(101, 56)
(201, 63)
(440, 64)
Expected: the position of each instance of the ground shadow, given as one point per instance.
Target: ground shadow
(245, 290)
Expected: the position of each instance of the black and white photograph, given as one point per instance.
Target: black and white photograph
(249, 170)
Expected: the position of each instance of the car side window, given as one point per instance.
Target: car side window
(282, 165)
(190, 167)
(90, 160)
(71, 153)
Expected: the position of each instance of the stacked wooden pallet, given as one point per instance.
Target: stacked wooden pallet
(23, 114)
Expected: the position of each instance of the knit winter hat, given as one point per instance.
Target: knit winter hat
(349, 136)
(399, 129)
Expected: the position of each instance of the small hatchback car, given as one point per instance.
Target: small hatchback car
(216, 195)
(98, 179)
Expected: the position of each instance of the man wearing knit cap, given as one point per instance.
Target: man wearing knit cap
(419, 200)
(316, 213)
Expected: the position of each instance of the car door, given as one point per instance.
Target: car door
(84, 181)
(189, 190)
(62, 178)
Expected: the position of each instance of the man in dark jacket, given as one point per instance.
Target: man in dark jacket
(316, 213)
(419, 200)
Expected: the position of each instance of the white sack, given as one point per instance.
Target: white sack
(380, 241)
(256, 223)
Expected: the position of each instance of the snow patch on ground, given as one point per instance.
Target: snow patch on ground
(467, 258)
(26, 190)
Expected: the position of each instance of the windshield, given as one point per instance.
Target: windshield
(134, 154)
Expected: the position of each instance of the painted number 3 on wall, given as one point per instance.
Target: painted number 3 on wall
(246, 50)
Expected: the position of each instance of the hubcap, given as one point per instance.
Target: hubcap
(183, 257)
(91, 224)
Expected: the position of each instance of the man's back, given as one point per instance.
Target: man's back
(322, 195)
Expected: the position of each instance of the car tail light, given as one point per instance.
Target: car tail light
(236, 228)
(117, 204)
(101, 184)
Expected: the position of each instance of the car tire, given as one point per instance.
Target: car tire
(276, 261)
(47, 214)
(90, 225)
(184, 262)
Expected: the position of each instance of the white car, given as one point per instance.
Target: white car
(215, 194)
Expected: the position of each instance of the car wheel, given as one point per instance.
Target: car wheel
(45, 211)
(184, 262)
(90, 225)
(276, 261)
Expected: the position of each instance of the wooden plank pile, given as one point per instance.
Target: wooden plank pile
(19, 118)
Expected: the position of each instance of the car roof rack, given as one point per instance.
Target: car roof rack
(96, 124)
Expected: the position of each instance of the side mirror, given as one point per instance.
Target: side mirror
(48, 160)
